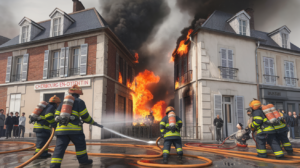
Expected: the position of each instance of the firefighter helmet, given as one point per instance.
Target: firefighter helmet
(75, 90)
(169, 108)
(54, 99)
(255, 104)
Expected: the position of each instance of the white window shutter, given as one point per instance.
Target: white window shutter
(218, 105)
(117, 66)
(25, 67)
(230, 63)
(83, 59)
(266, 66)
(271, 64)
(8, 69)
(287, 72)
(224, 63)
(17, 103)
(46, 58)
(240, 109)
(12, 103)
(291, 69)
(62, 62)
(67, 62)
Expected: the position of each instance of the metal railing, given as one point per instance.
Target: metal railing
(74, 71)
(290, 81)
(228, 73)
(54, 73)
(16, 78)
(270, 78)
(189, 132)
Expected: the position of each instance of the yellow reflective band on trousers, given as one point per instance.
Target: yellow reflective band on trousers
(179, 149)
(170, 133)
(166, 151)
(37, 150)
(278, 153)
(81, 152)
(69, 127)
(162, 130)
(261, 150)
(162, 123)
(56, 160)
(287, 144)
(39, 126)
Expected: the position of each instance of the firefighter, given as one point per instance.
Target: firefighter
(281, 135)
(41, 127)
(265, 132)
(171, 135)
(72, 130)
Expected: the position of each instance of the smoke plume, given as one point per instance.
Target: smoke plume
(8, 27)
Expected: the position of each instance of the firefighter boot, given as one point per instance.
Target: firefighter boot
(180, 159)
(90, 161)
(165, 160)
(289, 152)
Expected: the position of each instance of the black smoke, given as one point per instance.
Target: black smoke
(8, 27)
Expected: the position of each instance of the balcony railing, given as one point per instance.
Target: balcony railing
(228, 73)
(74, 71)
(290, 81)
(16, 78)
(270, 78)
(54, 73)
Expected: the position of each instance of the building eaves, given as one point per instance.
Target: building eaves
(279, 29)
(208, 18)
(3, 39)
(237, 14)
(282, 49)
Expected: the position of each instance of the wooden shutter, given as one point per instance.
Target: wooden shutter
(8, 69)
(117, 66)
(62, 62)
(293, 81)
(271, 65)
(25, 67)
(67, 60)
(240, 109)
(230, 64)
(83, 58)
(267, 71)
(218, 105)
(45, 70)
(224, 63)
(287, 72)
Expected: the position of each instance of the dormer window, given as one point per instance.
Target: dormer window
(25, 30)
(243, 26)
(56, 27)
(284, 38)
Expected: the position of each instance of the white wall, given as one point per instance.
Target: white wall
(236, 26)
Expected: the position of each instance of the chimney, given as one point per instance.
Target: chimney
(250, 12)
(77, 6)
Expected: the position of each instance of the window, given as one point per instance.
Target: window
(17, 71)
(15, 103)
(75, 62)
(25, 34)
(290, 80)
(243, 26)
(121, 71)
(284, 38)
(269, 75)
(226, 68)
(54, 71)
(56, 27)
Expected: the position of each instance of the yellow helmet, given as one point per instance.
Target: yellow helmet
(169, 108)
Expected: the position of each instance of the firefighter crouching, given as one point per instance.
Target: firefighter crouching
(69, 128)
(265, 132)
(170, 130)
(41, 126)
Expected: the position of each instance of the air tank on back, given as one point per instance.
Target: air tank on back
(274, 111)
(269, 114)
(66, 109)
(37, 111)
(172, 119)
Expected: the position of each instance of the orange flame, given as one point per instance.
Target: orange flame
(142, 96)
(159, 110)
(136, 55)
(176, 85)
(120, 78)
(182, 49)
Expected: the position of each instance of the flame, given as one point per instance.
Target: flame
(136, 55)
(120, 78)
(182, 48)
(159, 110)
(142, 96)
(176, 84)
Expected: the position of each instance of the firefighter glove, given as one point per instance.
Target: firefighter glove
(96, 124)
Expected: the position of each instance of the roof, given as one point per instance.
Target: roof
(218, 21)
(3, 39)
(84, 20)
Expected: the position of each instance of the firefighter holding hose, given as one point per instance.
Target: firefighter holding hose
(265, 132)
(69, 128)
(41, 126)
(170, 130)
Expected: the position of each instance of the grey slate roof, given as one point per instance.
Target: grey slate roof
(3, 40)
(84, 20)
(218, 21)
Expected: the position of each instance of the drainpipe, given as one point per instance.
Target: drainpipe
(257, 73)
(196, 86)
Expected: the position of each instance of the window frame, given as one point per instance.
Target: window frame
(241, 32)
(26, 34)
(14, 68)
(290, 75)
(228, 77)
(71, 59)
(58, 31)
(52, 63)
(274, 71)
(284, 40)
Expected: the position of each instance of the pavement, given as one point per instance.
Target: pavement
(70, 161)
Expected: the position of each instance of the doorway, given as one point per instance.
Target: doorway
(227, 116)
(47, 96)
(189, 118)
(290, 108)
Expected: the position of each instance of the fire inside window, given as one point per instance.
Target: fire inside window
(242, 24)
(25, 34)
(56, 26)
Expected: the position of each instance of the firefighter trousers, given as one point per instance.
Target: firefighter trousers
(62, 142)
(41, 139)
(167, 147)
(285, 142)
(271, 139)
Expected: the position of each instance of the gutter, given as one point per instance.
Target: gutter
(257, 73)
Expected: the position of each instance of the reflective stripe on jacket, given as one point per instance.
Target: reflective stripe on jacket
(259, 124)
(47, 117)
(164, 128)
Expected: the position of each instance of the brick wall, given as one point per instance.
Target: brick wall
(36, 62)
(3, 65)
(111, 61)
(3, 98)
(92, 51)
